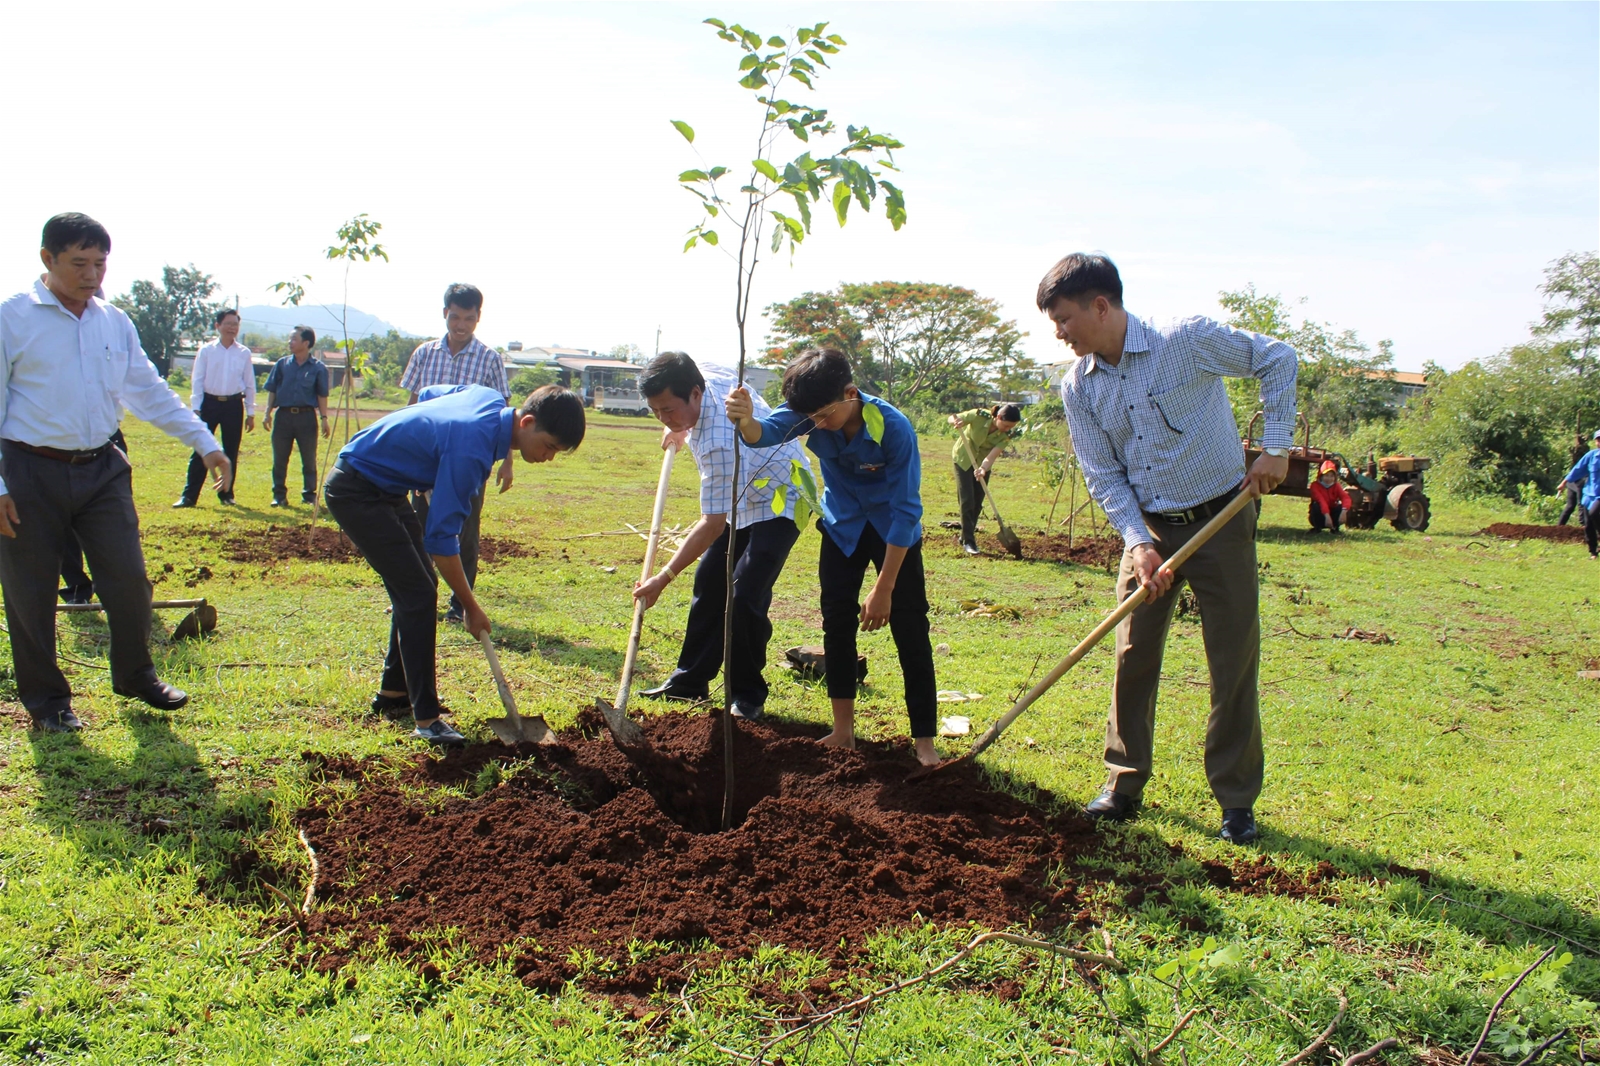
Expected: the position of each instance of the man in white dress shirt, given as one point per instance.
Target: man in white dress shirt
(223, 394)
(69, 363)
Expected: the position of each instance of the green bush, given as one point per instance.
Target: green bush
(1538, 508)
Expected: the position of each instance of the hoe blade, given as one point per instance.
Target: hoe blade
(624, 730)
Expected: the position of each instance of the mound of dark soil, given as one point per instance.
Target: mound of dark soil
(327, 544)
(1514, 531)
(1086, 550)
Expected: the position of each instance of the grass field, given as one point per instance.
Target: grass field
(1447, 775)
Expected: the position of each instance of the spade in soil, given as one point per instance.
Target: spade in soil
(513, 729)
(1009, 540)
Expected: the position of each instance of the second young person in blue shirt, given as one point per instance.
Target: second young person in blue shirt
(444, 445)
(871, 513)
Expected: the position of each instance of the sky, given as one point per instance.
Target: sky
(1408, 170)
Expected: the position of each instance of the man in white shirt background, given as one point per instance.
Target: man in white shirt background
(70, 363)
(223, 394)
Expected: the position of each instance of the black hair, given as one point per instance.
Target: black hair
(1081, 277)
(816, 378)
(74, 230)
(224, 313)
(305, 333)
(466, 297)
(558, 412)
(1006, 412)
(673, 371)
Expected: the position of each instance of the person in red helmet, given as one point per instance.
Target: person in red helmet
(1329, 501)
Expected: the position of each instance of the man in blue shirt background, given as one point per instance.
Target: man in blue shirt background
(871, 513)
(298, 386)
(445, 445)
(1586, 472)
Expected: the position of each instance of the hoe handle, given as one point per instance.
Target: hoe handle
(973, 459)
(507, 700)
(644, 575)
(1125, 608)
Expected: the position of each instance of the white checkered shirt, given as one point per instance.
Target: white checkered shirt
(476, 364)
(711, 443)
(1156, 432)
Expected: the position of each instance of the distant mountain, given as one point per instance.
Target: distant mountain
(324, 318)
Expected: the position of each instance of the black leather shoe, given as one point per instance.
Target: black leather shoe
(158, 694)
(393, 708)
(78, 594)
(1239, 825)
(750, 712)
(667, 691)
(184, 501)
(279, 503)
(1111, 806)
(226, 501)
(57, 722)
(308, 498)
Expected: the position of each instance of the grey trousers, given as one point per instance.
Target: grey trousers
(469, 536)
(1223, 576)
(95, 502)
(291, 430)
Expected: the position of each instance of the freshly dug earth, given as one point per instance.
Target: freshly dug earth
(1514, 531)
(328, 544)
(1086, 550)
(579, 848)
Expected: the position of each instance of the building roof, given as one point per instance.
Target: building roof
(1399, 377)
(591, 363)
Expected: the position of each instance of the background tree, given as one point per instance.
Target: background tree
(910, 341)
(1342, 382)
(1572, 318)
(628, 353)
(172, 314)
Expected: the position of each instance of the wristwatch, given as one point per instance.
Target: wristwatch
(1276, 453)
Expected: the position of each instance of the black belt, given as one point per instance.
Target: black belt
(298, 410)
(1198, 513)
(225, 399)
(76, 457)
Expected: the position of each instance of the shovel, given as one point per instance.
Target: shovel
(1008, 539)
(513, 729)
(1125, 608)
(201, 619)
(624, 730)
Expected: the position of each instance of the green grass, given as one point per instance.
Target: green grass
(133, 927)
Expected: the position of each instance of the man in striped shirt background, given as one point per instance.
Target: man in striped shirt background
(459, 358)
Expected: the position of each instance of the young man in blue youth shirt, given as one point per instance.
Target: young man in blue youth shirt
(1585, 473)
(445, 445)
(871, 513)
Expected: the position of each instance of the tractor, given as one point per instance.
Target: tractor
(1388, 487)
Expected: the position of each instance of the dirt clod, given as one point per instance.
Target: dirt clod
(1516, 531)
(328, 544)
(1104, 552)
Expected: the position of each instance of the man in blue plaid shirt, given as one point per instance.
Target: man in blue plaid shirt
(1154, 431)
(460, 358)
(689, 400)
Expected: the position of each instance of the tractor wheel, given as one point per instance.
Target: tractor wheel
(1410, 507)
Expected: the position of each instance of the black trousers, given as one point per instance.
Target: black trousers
(760, 552)
(1574, 499)
(290, 430)
(72, 573)
(970, 493)
(94, 502)
(385, 527)
(229, 415)
(469, 537)
(1591, 527)
(1320, 520)
(840, 577)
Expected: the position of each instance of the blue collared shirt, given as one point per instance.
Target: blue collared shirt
(1587, 471)
(864, 481)
(296, 384)
(447, 442)
(1156, 432)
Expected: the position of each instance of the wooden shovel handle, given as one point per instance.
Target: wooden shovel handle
(507, 700)
(644, 575)
(1125, 608)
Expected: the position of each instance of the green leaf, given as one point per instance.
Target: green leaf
(777, 238)
(894, 205)
(835, 39)
(805, 34)
(780, 499)
(761, 482)
(718, 23)
(754, 80)
(691, 242)
(874, 420)
(841, 200)
(801, 78)
(777, 42)
(802, 513)
(805, 208)
(800, 477)
(816, 57)
(692, 175)
(765, 169)
(1166, 970)
(749, 61)
(801, 64)
(1231, 955)
(709, 236)
(685, 129)
(711, 209)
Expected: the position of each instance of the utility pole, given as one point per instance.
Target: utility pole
(658, 341)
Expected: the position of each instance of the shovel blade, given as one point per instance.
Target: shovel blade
(1011, 542)
(939, 767)
(624, 730)
(532, 730)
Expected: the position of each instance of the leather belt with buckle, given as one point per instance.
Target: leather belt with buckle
(225, 399)
(1198, 513)
(63, 455)
(297, 410)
